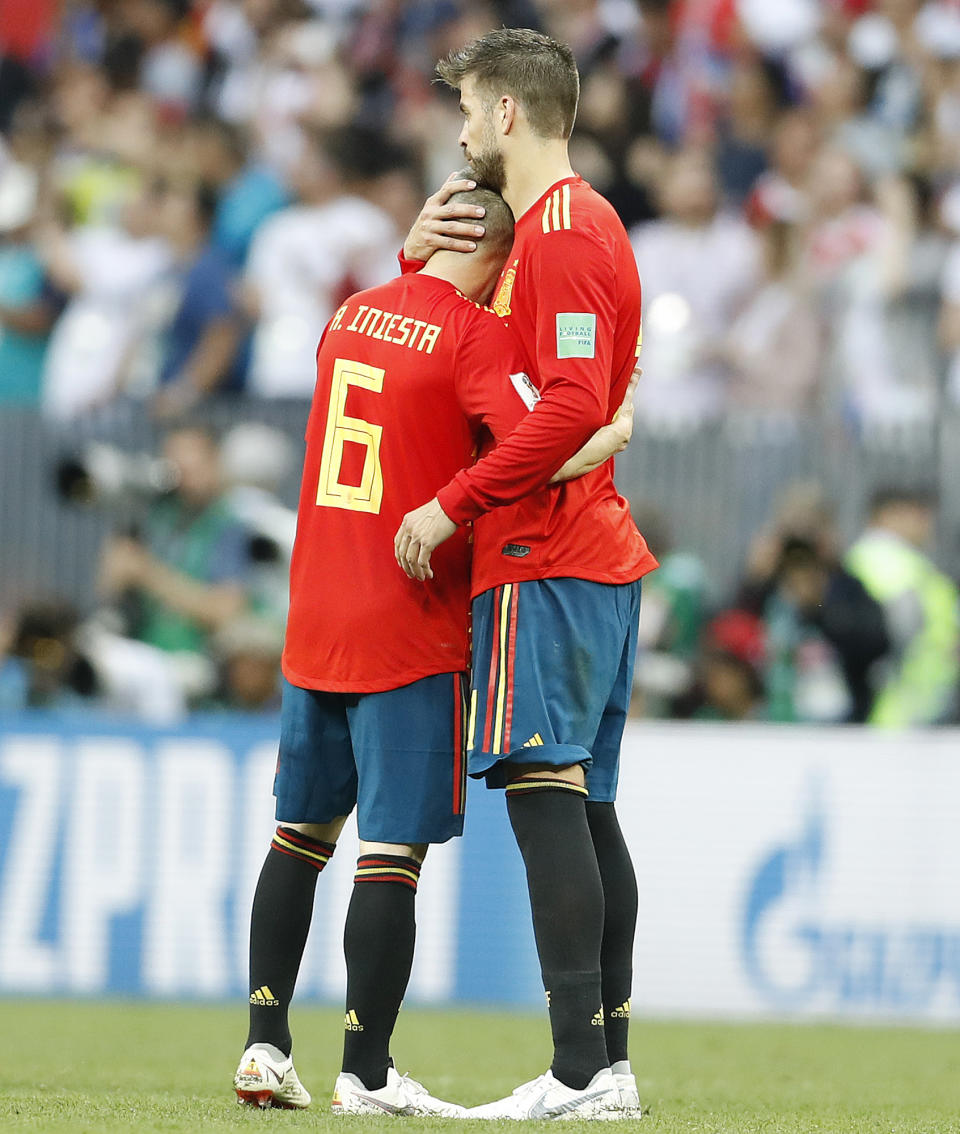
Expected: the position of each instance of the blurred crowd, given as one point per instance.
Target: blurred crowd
(188, 188)
(192, 588)
(816, 633)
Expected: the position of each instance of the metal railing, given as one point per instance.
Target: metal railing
(714, 487)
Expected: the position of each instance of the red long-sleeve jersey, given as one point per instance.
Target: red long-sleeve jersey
(570, 293)
(411, 377)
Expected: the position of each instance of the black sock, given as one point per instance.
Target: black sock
(279, 924)
(619, 924)
(566, 900)
(378, 941)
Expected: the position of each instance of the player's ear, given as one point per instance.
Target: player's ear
(506, 113)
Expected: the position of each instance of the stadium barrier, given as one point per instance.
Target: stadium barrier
(715, 487)
(782, 871)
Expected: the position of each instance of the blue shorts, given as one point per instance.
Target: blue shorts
(397, 756)
(552, 674)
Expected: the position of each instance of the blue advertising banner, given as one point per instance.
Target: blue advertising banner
(782, 871)
(128, 858)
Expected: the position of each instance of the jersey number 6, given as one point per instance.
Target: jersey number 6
(367, 495)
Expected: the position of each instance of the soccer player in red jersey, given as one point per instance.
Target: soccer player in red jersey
(411, 377)
(556, 576)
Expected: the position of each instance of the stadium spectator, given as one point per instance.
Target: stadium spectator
(729, 685)
(921, 605)
(148, 40)
(744, 129)
(247, 191)
(256, 462)
(28, 302)
(305, 259)
(856, 256)
(106, 138)
(675, 601)
(781, 193)
(186, 577)
(825, 636)
(802, 512)
(247, 651)
(291, 82)
(41, 665)
(206, 341)
(107, 271)
(51, 659)
(688, 304)
(773, 345)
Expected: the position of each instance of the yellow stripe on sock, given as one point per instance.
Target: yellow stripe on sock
(399, 870)
(539, 785)
(317, 856)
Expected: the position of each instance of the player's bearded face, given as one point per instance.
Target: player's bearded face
(486, 157)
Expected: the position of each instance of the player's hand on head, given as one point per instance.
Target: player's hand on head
(419, 534)
(443, 223)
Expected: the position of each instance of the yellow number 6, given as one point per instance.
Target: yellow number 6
(368, 494)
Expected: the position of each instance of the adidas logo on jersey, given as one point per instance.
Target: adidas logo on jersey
(597, 1020)
(263, 997)
(621, 1013)
(351, 1023)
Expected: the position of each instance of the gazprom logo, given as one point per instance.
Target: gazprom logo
(800, 959)
(777, 923)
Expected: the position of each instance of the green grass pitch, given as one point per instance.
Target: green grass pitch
(109, 1066)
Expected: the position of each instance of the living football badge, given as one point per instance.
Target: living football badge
(576, 334)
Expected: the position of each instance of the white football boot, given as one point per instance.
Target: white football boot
(547, 1097)
(627, 1086)
(266, 1078)
(401, 1095)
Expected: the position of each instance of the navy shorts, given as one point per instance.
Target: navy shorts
(397, 756)
(552, 674)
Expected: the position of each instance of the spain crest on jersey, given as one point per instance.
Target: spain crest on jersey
(501, 303)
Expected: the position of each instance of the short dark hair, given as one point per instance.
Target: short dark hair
(921, 496)
(539, 72)
(497, 219)
(796, 551)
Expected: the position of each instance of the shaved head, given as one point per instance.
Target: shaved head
(497, 220)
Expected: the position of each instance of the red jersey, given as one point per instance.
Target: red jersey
(570, 293)
(410, 377)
